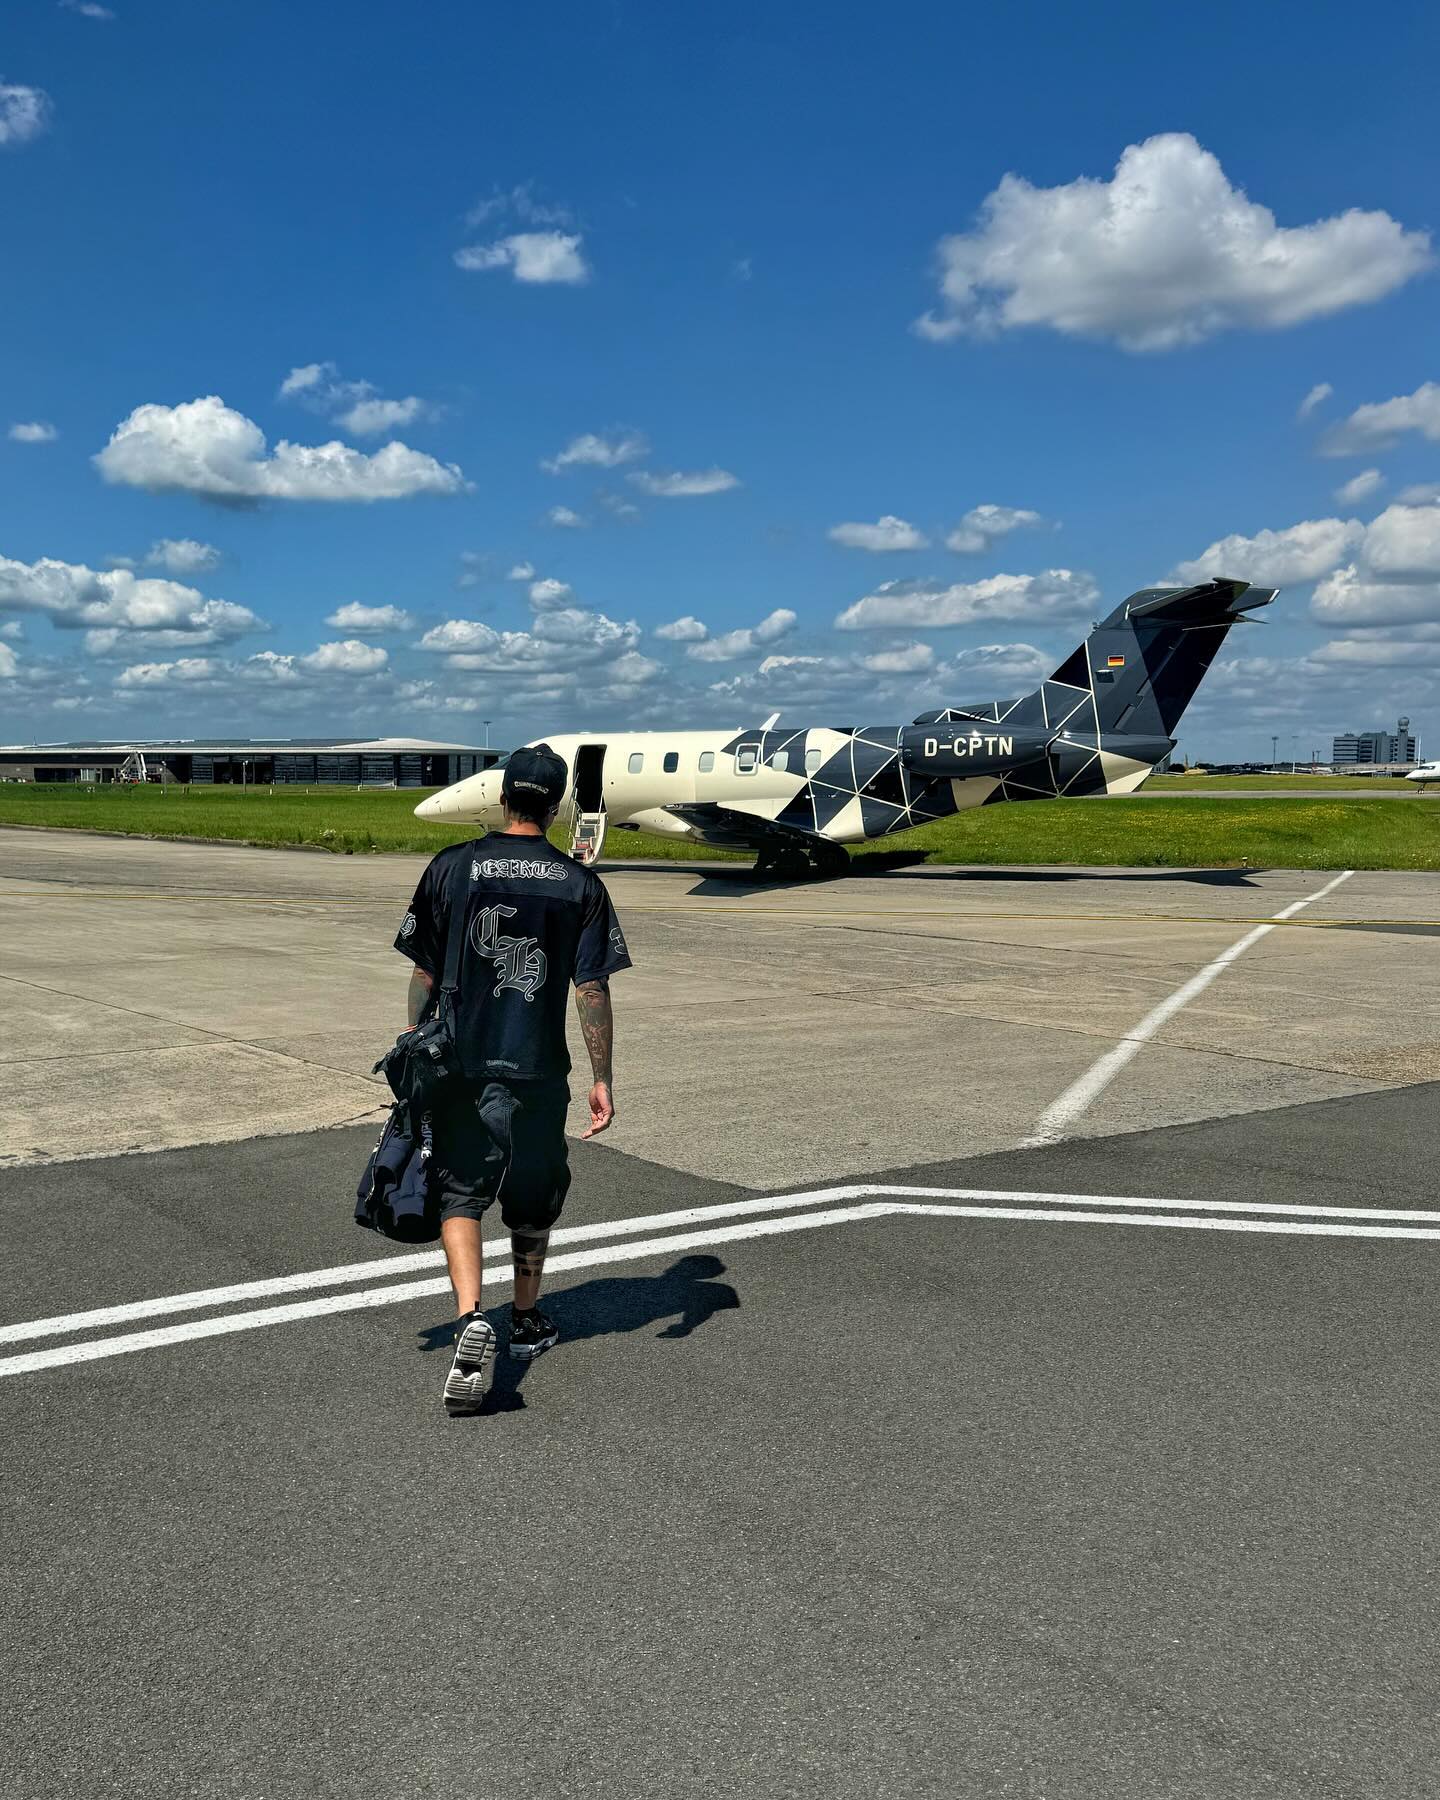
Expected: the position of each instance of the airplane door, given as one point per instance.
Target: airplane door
(588, 837)
(590, 778)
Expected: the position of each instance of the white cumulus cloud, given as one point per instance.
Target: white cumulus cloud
(679, 486)
(1382, 423)
(186, 672)
(117, 600)
(356, 405)
(904, 659)
(33, 431)
(566, 518)
(1053, 594)
(307, 378)
(1395, 579)
(274, 667)
(9, 663)
(794, 682)
(562, 641)
(1012, 665)
(204, 447)
(549, 595)
(348, 657)
(1166, 253)
(368, 418)
(355, 617)
(631, 669)
(590, 450)
(777, 624)
(1359, 487)
(1383, 574)
(688, 630)
(531, 256)
(1404, 541)
(24, 113)
(182, 556)
(730, 646)
(1302, 552)
(982, 525)
(887, 533)
(1376, 653)
(521, 571)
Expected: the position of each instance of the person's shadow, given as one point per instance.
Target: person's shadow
(687, 1294)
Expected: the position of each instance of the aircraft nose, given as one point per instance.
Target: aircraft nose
(476, 798)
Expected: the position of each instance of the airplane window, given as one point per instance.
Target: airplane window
(707, 761)
(637, 761)
(780, 760)
(672, 761)
(812, 761)
(745, 759)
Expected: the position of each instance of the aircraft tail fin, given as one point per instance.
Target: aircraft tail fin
(1144, 661)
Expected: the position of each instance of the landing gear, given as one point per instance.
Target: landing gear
(801, 862)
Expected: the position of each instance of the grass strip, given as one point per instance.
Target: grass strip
(1307, 832)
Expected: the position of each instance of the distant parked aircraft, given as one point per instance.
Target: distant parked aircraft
(1097, 726)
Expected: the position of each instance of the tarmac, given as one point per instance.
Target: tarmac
(891, 1447)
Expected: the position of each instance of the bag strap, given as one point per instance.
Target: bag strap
(456, 897)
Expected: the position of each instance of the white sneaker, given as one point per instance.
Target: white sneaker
(469, 1379)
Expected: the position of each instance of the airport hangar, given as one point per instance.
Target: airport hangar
(317, 762)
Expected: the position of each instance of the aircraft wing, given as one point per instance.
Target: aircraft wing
(729, 827)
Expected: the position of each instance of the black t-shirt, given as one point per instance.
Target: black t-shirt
(534, 921)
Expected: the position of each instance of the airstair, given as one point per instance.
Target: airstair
(587, 816)
(588, 838)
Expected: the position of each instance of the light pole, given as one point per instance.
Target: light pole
(1274, 748)
(487, 734)
(1294, 737)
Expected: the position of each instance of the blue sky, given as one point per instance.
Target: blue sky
(1021, 305)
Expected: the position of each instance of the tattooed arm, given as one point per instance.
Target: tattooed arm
(597, 1024)
(418, 996)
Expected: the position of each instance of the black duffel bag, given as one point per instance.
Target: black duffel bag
(394, 1196)
(423, 1064)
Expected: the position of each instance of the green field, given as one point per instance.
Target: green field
(1275, 784)
(1307, 832)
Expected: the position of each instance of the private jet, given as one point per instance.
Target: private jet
(797, 797)
(1427, 772)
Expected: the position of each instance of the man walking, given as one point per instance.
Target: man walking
(533, 921)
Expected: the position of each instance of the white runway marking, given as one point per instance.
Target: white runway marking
(1081, 1095)
(806, 1211)
(386, 1267)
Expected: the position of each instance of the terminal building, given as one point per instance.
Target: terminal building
(1396, 746)
(309, 762)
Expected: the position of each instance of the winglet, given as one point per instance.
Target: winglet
(771, 722)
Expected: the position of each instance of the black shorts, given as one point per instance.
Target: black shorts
(505, 1141)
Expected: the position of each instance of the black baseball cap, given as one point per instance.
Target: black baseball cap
(535, 775)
